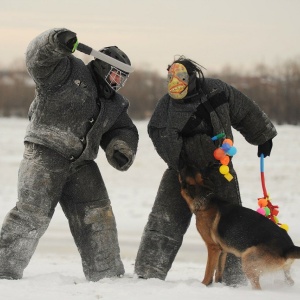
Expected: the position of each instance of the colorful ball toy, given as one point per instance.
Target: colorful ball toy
(267, 209)
(223, 154)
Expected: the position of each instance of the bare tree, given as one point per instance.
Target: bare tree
(275, 89)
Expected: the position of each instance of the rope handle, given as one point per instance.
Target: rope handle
(262, 175)
(266, 208)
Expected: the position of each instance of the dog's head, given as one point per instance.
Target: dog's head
(195, 187)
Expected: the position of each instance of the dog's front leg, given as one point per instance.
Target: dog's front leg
(213, 254)
(221, 266)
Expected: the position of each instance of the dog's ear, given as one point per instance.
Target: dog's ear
(208, 184)
(198, 178)
(179, 178)
(182, 177)
(183, 168)
(203, 181)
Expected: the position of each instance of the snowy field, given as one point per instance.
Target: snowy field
(55, 269)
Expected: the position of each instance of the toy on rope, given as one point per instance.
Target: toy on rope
(223, 154)
(266, 208)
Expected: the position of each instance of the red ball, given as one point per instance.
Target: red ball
(219, 154)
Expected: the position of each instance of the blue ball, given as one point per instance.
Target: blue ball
(226, 147)
(232, 151)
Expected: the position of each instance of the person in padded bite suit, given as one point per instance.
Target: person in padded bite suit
(194, 110)
(76, 109)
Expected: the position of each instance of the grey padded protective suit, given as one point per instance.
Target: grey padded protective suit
(69, 121)
(168, 128)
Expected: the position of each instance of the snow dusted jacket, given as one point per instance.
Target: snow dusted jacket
(215, 110)
(67, 114)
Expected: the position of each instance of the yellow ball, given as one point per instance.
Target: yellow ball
(224, 169)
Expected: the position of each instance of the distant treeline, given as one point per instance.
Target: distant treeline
(275, 89)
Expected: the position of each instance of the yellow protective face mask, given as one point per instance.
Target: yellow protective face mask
(178, 80)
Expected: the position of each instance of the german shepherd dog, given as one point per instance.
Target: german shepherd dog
(229, 228)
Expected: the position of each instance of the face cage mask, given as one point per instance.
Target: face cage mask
(116, 78)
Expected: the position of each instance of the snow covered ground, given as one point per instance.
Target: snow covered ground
(55, 269)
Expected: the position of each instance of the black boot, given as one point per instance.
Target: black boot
(233, 274)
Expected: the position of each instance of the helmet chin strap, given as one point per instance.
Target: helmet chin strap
(110, 60)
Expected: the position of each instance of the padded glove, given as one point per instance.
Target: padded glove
(120, 158)
(265, 148)
(68, 40)
(119, 155)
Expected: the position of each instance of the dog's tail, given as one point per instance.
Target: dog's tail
(293, 252)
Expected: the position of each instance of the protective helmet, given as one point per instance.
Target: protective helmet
(113, 76)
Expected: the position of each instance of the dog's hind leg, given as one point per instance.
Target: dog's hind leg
(286, 270)
(213, 254)
(252, 274)
(252, 266)
(288, 279)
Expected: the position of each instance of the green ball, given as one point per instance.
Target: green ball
(267, 210)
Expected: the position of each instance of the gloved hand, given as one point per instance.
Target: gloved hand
(68, 40)
(265, 148)
(119, 154)
(120, 158)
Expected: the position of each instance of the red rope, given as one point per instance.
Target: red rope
(263, 184)
(273, 208)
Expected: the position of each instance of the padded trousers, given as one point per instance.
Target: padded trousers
(168, 222)
(46, 179)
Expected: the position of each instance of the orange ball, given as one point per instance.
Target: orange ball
(225, 160)
(228, 141)
(262, 202)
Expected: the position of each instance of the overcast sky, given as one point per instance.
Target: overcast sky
(215, 33)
